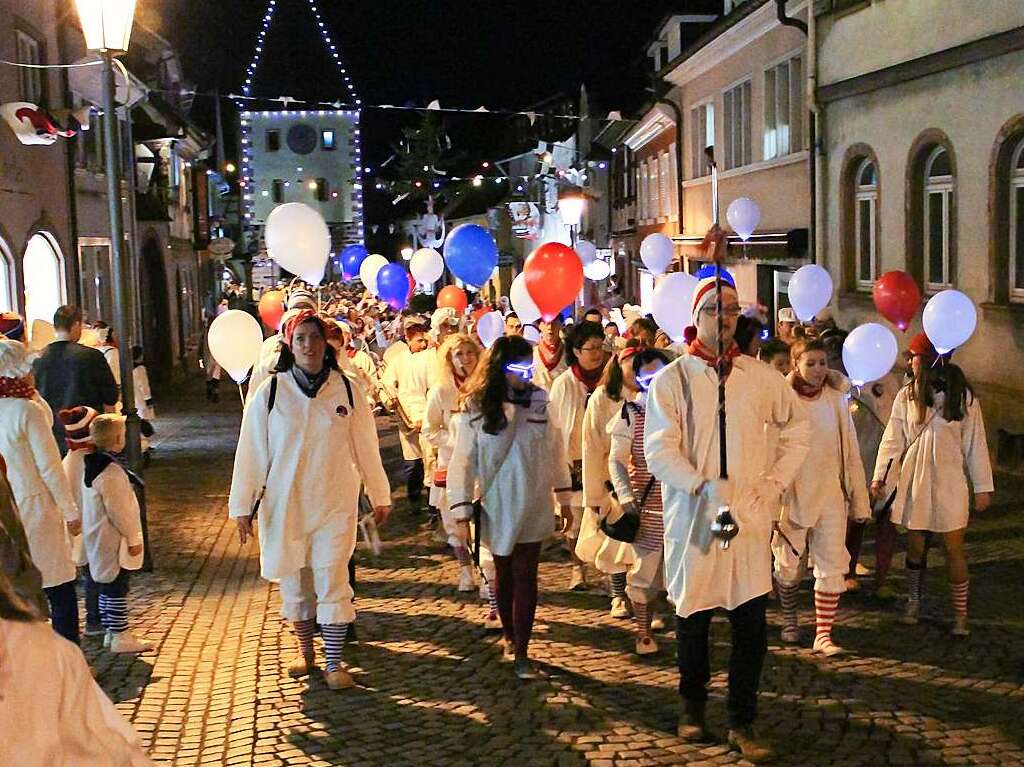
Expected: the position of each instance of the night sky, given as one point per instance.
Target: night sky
(511, 55)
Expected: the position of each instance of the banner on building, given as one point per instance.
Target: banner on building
(525, 220)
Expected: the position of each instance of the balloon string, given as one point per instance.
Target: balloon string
(241, 396)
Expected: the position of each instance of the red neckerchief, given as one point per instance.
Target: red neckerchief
(805, 389)
(588, 378)
(723, 366)
(16, 388)
(556, 355)
(458, 380)
(351, 352)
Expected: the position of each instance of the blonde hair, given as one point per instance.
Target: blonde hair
(105, 430)
(449, 346)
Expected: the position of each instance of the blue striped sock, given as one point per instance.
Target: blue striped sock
(114, 613)
(334, 642)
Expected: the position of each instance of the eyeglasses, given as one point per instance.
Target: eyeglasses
(599, 348)
(523, 370)
(729, 311)
(643, 380)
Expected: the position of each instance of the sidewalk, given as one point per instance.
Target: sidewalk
(433, 691)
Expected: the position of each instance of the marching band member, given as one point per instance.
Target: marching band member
(549, 355)
(936, 433)
(639, 492)
(681, 444)
(828, 489)
(506, 444)
(307, 441)
(567, 404)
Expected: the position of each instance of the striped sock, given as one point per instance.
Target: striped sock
(642, 616)
(618, 584)
(334, 642)
(114, 613)
(787, 600)
(304, 631)
(825, 607)
(492, 599)
(915, 581)
(958, 591)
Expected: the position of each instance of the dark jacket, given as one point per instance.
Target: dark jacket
(69, 374)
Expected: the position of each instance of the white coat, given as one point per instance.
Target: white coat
(442, 404)
(266, 361)
(52, 711)
(40, 487)
(681, 442)
(543, 377)
(111, 522)
(932, 486)
(609, 555)
(409, 376)
(518, 469)
(362, 366)
(74, 470)
(831, 478)
(567, 403)
(310, 455)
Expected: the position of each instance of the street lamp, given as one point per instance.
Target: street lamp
(570, 205)
(107, 26)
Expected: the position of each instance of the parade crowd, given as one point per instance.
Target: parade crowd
(597, 435)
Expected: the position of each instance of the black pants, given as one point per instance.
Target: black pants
(92, 598)
(749, 646)
(63, 601)
(414, 479)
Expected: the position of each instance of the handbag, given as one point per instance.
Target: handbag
(620, 524)
(883, 510)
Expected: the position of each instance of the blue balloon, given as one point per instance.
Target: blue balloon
(471, 254)
(708, 270)
(352, 258)
(393, 286)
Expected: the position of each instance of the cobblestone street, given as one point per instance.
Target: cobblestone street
(433, 690)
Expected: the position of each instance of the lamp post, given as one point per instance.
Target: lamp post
(107, 26)
(571, 204)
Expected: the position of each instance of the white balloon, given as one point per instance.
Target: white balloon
(235, 339)
(810, 290)
(368, 271)
(597, 270)
(657, 252)
(299, 240)
(869, 352)
(671, 301)
(949, 319)
(522, 302)
(531, 334)
(490, 327)
(743, 216)
(426, 266)
(587, 251)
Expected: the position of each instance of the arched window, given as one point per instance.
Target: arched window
(1017, 223)
(865, 238)
(43, 266)
(6, 273)
(938, 219)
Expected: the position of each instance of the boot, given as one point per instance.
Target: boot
(752, 749)
(692, 726)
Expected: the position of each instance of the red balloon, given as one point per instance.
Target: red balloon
(271, 308)
(897, 298)
(453, 297)
(554, 278)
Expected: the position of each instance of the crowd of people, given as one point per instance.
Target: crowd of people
(597, 435)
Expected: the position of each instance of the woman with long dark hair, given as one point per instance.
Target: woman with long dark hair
(308, 439)
(936, 432)
(506, 446)
(570, 393)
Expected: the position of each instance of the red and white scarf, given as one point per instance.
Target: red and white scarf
(804, 388)
(17, 388)
(723, 365)
(550, 355)
(588, 378)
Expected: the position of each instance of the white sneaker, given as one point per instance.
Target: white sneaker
(620, 608)
(960, 627)
(578, 579)
(911, 614)
(790, 634)
(492, 622)
(466, 579)
(862, 570)
(107, 638)
(657, 623)
(824, 644)
(126, 642)
(646, 646)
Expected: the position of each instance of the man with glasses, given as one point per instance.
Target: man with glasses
(681, 442)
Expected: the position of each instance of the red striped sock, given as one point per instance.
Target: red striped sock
(825, 606)
(958, 592)
(642, 616)
(304, 631)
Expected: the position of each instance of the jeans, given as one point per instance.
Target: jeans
(92, 598)
(749, 646)
(414, 479)
(64, 610)
(516, 589)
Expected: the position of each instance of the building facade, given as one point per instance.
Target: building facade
(37, 264)
(922, 170)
